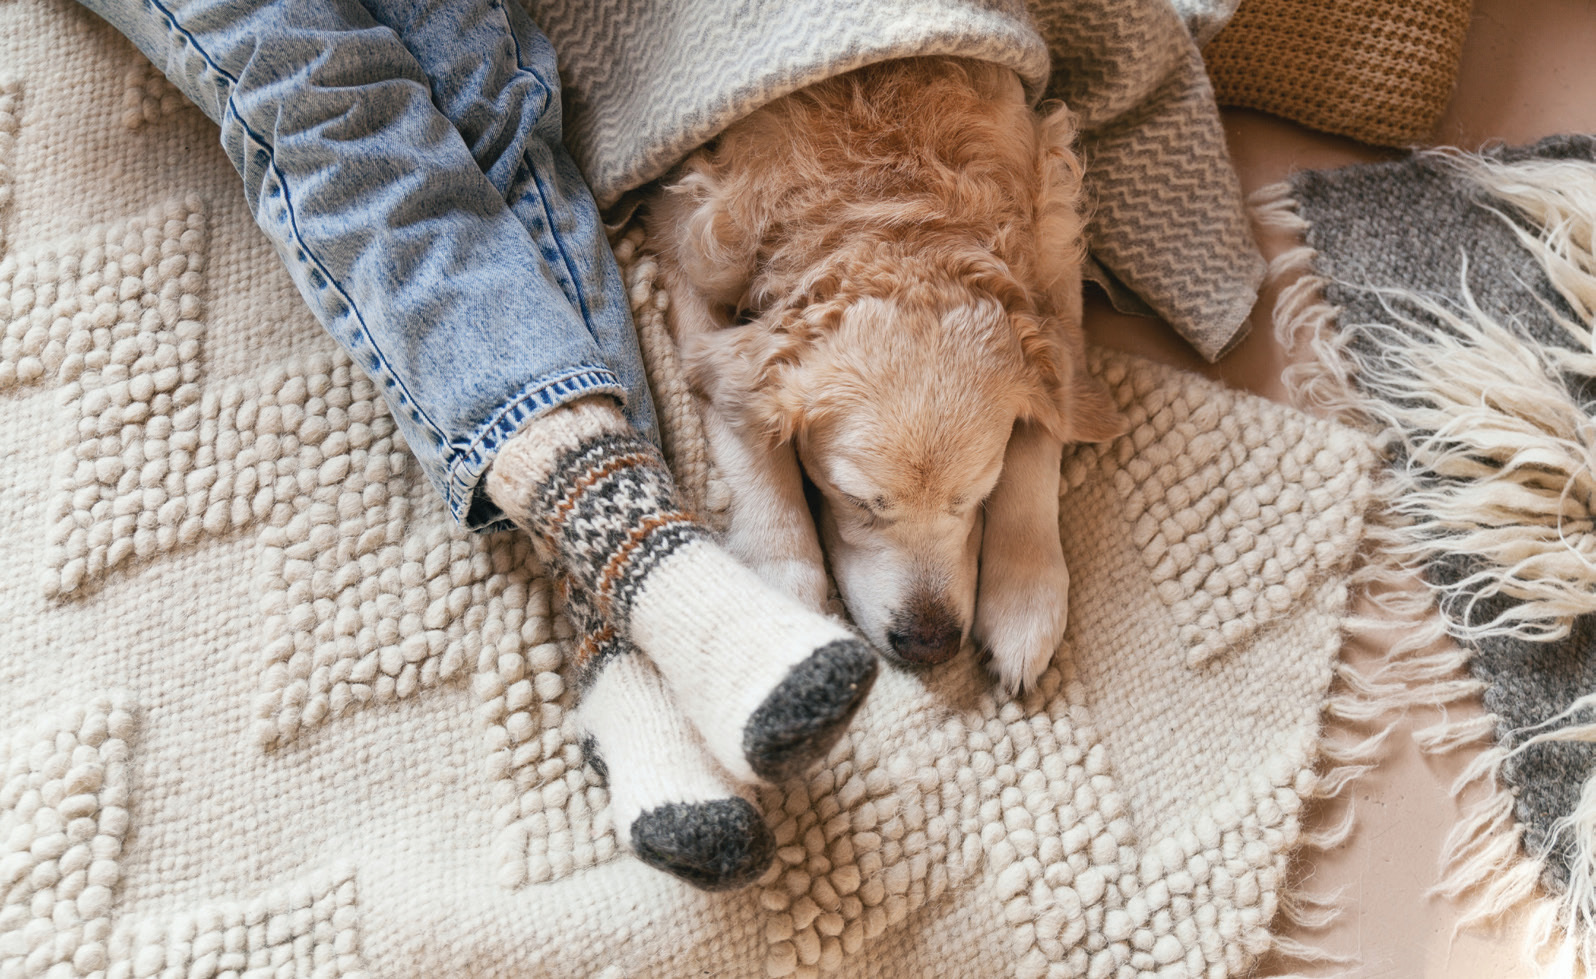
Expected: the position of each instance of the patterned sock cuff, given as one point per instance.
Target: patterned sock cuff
(609, 509)
(599, 498)
(596, 640)
(528, 458)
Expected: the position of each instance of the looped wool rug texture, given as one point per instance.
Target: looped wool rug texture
(265, 711)
(1470, 349)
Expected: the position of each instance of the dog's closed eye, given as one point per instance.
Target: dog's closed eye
(871, 510)
(870, 506)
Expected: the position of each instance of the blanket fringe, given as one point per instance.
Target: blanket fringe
(1359, 701)
(1557, 198)
(1514, 457)
(1312, 911)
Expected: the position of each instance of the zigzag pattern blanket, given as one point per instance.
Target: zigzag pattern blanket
(647, 81)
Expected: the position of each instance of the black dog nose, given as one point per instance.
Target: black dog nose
(925, 632)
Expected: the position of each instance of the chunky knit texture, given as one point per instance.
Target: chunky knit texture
(647, 81)
(346, 732)
(671, 804)
(1378, 72)
(769, 684)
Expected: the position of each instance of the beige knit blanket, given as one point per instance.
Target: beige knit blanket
(265, 712)
(645, 82)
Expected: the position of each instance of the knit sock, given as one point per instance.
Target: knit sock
(670, 802)
(769, 684)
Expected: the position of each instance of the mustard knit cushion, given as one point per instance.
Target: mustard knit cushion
(1378, 72)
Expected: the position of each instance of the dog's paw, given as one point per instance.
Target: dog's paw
(796, 578)
(1020, 616)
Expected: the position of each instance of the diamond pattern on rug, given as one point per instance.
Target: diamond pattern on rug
(112, 316)
(63, 819)
(1237, 507)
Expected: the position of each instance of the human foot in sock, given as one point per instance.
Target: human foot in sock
(769, 684)
(671, 803)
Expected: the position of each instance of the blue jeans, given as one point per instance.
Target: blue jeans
(405, 158)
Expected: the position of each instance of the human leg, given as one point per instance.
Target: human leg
(763, 711)
(493, 75)
(413, 259)
(402, 246)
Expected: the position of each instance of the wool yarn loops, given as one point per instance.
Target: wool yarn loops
(338, 735)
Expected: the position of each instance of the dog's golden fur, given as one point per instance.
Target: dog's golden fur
(879, 276)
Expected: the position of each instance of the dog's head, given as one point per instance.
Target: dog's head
(910, 298)
(900, 417)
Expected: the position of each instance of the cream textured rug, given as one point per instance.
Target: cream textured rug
(265, 712)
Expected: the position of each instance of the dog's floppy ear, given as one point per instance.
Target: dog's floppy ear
(715, 242)
(1058, 215)
(1082, 409)
(778, 393)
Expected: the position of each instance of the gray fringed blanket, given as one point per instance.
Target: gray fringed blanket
(1450, 302)
(647, 81)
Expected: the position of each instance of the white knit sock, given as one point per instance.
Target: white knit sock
(675, 808)
(769, 684)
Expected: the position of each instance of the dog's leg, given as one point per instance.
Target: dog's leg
(1022, 600)
(771, 530)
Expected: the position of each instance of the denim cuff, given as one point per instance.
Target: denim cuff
(463, 487)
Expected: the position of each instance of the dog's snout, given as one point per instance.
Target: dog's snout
(925, 631)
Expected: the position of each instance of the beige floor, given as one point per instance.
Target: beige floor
(1529, 70)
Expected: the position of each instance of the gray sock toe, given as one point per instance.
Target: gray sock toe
(715, 846)
(808, 711)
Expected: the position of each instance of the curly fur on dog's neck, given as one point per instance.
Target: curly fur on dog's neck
(939, 157)
(928, 184)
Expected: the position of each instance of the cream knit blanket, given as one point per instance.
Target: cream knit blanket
(265, 712)
(647, 81)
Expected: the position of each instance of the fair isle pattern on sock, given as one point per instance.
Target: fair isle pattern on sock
(596, 641)
(609, 509)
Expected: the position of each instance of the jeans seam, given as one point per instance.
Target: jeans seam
(543, 197)
(282, 180)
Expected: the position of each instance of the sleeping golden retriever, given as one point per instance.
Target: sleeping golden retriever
(875, 282)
